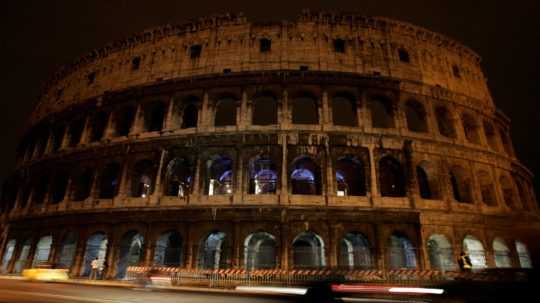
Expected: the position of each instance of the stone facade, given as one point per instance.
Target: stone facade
(332, 125)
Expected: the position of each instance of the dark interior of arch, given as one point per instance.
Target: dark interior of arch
(82, 184)
(461, 187)
(96, 247)
(265, 110)
(350, 176)
(142, 178)
(190, 116)
(470, 128)
(59, 186)
(57, 137)
(67, 250)
(220, 176)
(109, 182)
(307, 251)
(304, 110)
(130, 252)
(416, 116)
(355, 251)
(123, 120)
(260, 251)
(444, 122)
(75, 132)
(490, 135)
(99, 123)
(263, 176)
(225, 112)
(391, 178)
(41, 186)
(344, 110)
(382, 113)
(214, 251)
(168, 250)
(402, 252)
(154, 114)
(305, 177)
(179, 177)
(423, 183)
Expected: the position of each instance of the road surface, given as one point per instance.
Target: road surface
(20, 291)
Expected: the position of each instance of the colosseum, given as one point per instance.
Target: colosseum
(331, 141)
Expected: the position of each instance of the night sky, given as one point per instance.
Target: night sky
(38, 36)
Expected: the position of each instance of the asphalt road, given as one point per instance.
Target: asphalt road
(19, 291)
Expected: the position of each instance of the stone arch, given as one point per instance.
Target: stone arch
(142, 178)
(98, 126)
(263, 175)
(524, 197)
(110, 180)
(402, 253)
(505, 140)
(391, 177)
(59, 186)
(489, 132)
(40, 189)
(153, 114)
(22, 260)
(460, 182)
(440, 253)
(415, 114)
(487, 189)
(96, 247)
(219, 175)
(508, 191)
(130, 252)
(225, 110)
(382, 112)
(123, 119)
(57, 137)
(169, 249)
(186, 112)
(305, 108)
(470, 127)
(308, 250)
(81, 184)
(178, 177)
(445, 122)
(75, 132)
(67, 251)
(305, 176)
(344, 110)
(43, 250)
(501, 253)
(350, 177)
(428, 181)
(355, 251)
(9, 253)
(214, 251)
(264, 109)
(475, 249)
(260, 251)
(523, 255)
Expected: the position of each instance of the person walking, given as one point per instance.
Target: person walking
(464, 262)
(94, 265)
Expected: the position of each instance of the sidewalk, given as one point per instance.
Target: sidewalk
(126, 284)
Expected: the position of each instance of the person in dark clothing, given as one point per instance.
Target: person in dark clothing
(464, 261)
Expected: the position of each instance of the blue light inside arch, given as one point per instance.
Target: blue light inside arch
(302, 174)
(266, 175)
(226, 176)
(340, 177)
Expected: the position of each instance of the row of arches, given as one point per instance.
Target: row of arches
(264, 107)
(260, 251)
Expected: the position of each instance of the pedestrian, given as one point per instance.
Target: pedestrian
(95, 267)
(464, 262)
(103, 270)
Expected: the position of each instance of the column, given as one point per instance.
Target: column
(332, 238)
(326, 117)
(112, 249)
(379, 249)
(239, 176)
(154, 198)
(109, 128)
(284, 180)
(373, 173)
(237, 243)
(124, 182)
(137, 121)
(197, 191)
(242, 119)
(328, 189)
(78, 262)
(284, 245)
(285, 115)
(149, 248)
(86, 130)
(187, 247)
(204, 122)
(168, 124)
(94, 188)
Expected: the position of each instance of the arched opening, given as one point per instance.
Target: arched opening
(308, 251)
(423, 183)
(523, 193)
(123, 120)
(110, 180)
(67, 250)
(142, 179)
(487, 190)
(402, 252)
(168, 250)
(99, 124)
(305, 177)
(43, 249)
(461, 185)
(22, 261)
(344, 110)
(153, 114)
(508, 192)
(445, 122)
(130, 252)
(470, 126)
(489, 131)
(96, 247)
(391, 178)
(259, 251)
(265, 110)
(190, 115)
(57, 137)
(82, 184)
(262, 175)
(382, 112)
(8, 255)
(505, 140)
(220, 176)
(474, 248)
(305, 109)
(416, 116)
(355, 251)
(213, 251)
(59, 186)
(75, 131)
(523, 255)
(225, 112)
(501, 253)
(41, 187)
(179, 175)
(350, 177)
(440, 253)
